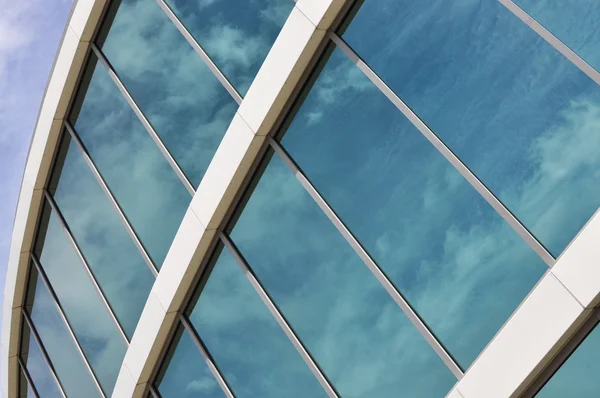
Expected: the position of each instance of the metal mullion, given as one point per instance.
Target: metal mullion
(153, 392)
(45, 355)
(207, 357)
(67, 324)
(379, 274)
(25, 372)
(200, 51)
(554, 41)
(285, 326)
(145, 122)
(475, 182)
(86, 266)
(113, 201)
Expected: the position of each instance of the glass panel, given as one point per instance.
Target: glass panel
(25, 390)
(88, 317)
(253, 353)
(36, 366)
(578, 377)
(132, 165)
(575, 22)
(358, 335)
(57, 341)
(185, 373)
(184, 101)
(237, 35)
(111, 254)
(518, 113)
(444, 247)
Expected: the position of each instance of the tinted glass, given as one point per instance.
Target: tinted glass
(36, 366)
(57, 341)
(186, 374)
(81, 303)
(237, 34)
(443, 246)
(25, 391)
(575, 22)
(517, 112)
(184, 101)
(578, 377)
(357, 334)
(111, 254)
(134, 169)
(244, 339)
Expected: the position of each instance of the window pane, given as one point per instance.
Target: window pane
(186, 374)
(575, 22)
(444, 247)
(357, 334)
(245, 341)
(184, 101)
(88, 317)
(117, 264)
(37, 368)
(237, 35)
(578, 377)
(130, 162)
(59, 345)
(518, 113)
(25, 391)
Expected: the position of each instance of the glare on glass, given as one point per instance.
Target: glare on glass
(521, 116)
(39, 371)
(355, 332)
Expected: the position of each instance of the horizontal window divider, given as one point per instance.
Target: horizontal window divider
(279, 317)
(379, 274)
(25, 372)
(144, 120)
(441, 147)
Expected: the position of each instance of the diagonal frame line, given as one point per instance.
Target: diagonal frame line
(28, 377)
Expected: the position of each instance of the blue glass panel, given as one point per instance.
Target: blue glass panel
(111, 254)
(81, 303)
(186, 374)
(237, 35)
(444, 247)
(578, 377)
(25, 390)
(357, 334)
(135, 170)
(575, 22)
(245, 341)
(36, 366)
(518, 113)
(58, 343)
(184, 101)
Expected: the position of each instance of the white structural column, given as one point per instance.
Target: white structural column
(293, 52)
(59, 91)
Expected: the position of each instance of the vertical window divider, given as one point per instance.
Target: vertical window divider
(200, 51)
(28, 377)
(552, 40)
(38, 340)
(136, 240)
(447, 153)
(206, 355)
(145, 122)
(379, 274)
(67, 324)
(285, 326)
(86, 266)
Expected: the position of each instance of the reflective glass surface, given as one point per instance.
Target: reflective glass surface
(57, 341)
(111, 254)
(357, 334)
(518, 113)
(237, 35)
(133, 167)
(184, 101)
(81, 303)
(574, 22)
(36, 366)
(25, 391)
(449, 253)
(578, 376)
(247, 344)
(185, 373)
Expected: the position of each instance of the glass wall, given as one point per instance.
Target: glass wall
(37, 367)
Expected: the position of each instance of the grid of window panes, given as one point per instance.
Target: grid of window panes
(362, 259)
